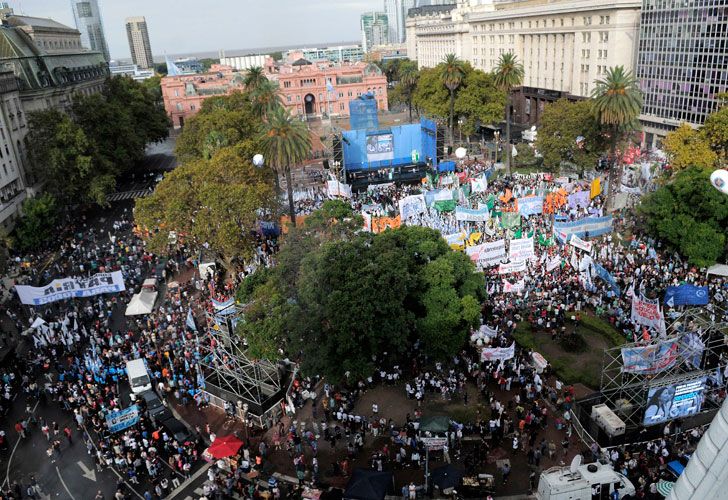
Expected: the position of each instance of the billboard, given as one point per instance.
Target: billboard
(678, 400)
(380, 147)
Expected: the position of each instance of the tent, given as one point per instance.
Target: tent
(141, 303)
(225, 446)
(447, 476)
(435, 424)
(718, 270)
(368, 484)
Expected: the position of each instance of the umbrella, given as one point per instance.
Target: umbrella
(447, 476)
(225, 446)
(664, 487)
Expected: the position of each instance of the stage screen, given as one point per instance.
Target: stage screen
(380, 147)
(679, 400)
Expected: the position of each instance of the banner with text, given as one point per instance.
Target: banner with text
(336, 188)
(530, 205)
(120, 420)
(412, 206)
(646, 312)
(69, 288)
(650, 359)
(498, 353)
(488, 254)
(472, 214)
(512, 267)
(522, 249)
(581, 244)
(591, 226)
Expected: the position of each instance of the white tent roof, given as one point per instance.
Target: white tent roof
(718, 270)
(141, 303)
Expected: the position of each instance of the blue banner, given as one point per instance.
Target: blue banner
(650, 359)
(604, 274)
(530, 205)
(687, 295)
(584, 228)
(120, 420)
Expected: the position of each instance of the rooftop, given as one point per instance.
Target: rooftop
(36, 22)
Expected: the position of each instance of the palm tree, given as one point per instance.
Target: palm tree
(452, 72)
(254, 78)
(285, 142)
(508, 74)
(408, 75)
(617, 104)
(265, 99)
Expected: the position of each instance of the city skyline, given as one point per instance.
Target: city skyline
(226, 24)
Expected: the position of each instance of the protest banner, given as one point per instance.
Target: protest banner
(581, 244)
(580, 199)
(686, 295)
(530, 205)
(472, 215)
(456, 240)
(119, 420)
(488, 254)
(442, 195)
(512, 267)
(338, 189)
(650, 359)
(498, 353)
(69, 288)
(479, 185)
(510, 220)
(646, 312)
(553, 263)
(380, 224)
(522, 249)
(589, 226)
(411, 206)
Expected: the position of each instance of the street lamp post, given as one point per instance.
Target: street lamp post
(460, 129)
(496, 134)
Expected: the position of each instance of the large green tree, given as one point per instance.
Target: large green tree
(479, 101)
(38, 226)
(407, 84)
(508, 75)
(431, 97)
(617, 101)
(210, 203)
(687, 147)
(690, 215)
(715, 129)
(452, 73)
(562, 122)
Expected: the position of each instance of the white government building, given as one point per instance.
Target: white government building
(564, 45)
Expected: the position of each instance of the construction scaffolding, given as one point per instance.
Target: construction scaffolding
(254, 389)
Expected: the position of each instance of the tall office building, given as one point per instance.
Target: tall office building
(396, 11)
(88, 21)
(681, 63)
(374, 30)
(138, 35)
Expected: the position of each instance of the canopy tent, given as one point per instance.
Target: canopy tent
(225, 446)
(435, 424)
(718, 270)
(447, 476)
(141, 303)
(368, 485)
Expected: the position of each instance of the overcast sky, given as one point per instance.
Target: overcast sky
(188, 26)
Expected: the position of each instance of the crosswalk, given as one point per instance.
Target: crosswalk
(128, 195)
(199, 492)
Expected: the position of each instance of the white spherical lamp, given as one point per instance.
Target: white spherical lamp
(719, 180)
(460, 153)
(258, 160)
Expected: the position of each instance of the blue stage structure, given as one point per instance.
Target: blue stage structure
(363, 113)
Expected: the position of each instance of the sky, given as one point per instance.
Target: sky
(189, 26)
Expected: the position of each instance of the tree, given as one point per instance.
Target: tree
(689, 215)
(407, 83)
(154, 88)
(266, 99)
(617, 102)
(285, 142)
(207, 62)
(526, 157)
(212, 204)
(715, 129)
(431, 96)
(161, 69)
(686, 147)
(479, 101)
(508, 74)
(276, 56)
(562, 122)
(254, 78)
(36, 229)
(452, 73)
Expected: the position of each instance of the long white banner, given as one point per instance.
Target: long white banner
(336, 188)
(488, 254)
(553, 263)
(581, 244)
(69, 288)
(412, 206)
(498, 353)
(518, 266)
(522, 249)
(472, 215)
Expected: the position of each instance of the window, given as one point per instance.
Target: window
(287, 84)
(288, 98)
(603, 36)
(606, 19)
(179, 106)
(84, 9)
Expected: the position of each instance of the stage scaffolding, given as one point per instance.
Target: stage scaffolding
(255, 388)
(626, 393)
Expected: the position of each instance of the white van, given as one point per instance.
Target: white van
(583, 482)
(138, 377)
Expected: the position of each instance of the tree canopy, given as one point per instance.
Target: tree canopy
(687, 147)
(690, 215)
(38, 225)
(347, 300)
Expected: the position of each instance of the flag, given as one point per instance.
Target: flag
(596, 188)
(686, 295)
(191, 320)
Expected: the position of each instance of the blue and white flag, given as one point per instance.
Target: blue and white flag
(191, 320)
(687, 295)
(604, 274)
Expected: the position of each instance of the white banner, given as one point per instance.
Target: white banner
(512, 267)
(483, 333)
(472, 215)
(581, 244)
(498, 353)
(647, 312)
(336, 188)
(553, 263)
(412, 206)
(488, 254)
(479, 185)
(443, 195)
(69, 288)
(456, 239)
(522, 249)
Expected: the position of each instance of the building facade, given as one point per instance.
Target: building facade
(396, 11)
(87, 15)
(325, 89)
(242, 63)
(130, 70)
(138, 35)
(338, 54)
(374, 30)
(682, 63)
(564, 45)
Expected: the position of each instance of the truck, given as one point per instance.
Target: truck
(139, 379)
(594, 481)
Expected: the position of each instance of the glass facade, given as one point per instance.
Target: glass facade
(683, 58)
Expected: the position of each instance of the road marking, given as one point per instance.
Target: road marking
(111, 467)
(87, 473)
(192, 478)
(10, 460)
(64, 484)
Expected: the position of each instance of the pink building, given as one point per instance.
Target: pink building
(306, 88)
(317, 89)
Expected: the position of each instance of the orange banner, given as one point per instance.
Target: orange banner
(380, 224)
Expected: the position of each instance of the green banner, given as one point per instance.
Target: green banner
(510, 220)
(444, 206)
